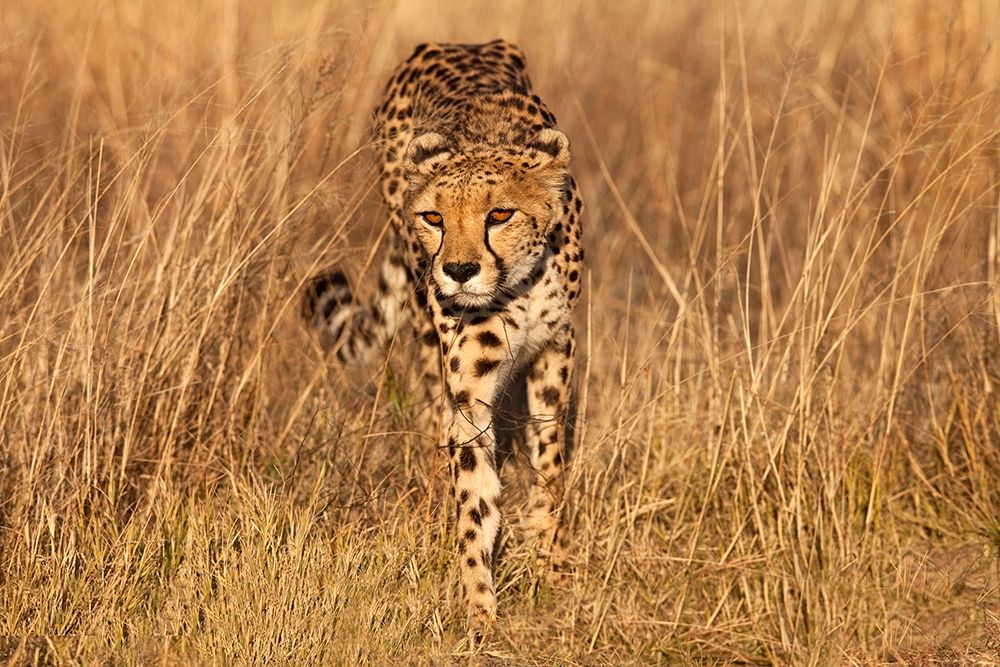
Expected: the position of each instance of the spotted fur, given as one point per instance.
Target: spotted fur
(486, 263)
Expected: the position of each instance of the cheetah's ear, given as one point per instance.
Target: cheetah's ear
(552, 146)
(425, 152)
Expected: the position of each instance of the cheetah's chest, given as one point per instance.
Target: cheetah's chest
(536, 316)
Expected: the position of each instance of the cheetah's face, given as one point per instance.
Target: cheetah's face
(483, 216)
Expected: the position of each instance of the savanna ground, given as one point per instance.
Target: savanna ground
(787, 440)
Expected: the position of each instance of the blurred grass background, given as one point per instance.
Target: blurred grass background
(787, 446)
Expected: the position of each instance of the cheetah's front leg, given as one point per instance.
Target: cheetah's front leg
(548, 405)
(477, 366)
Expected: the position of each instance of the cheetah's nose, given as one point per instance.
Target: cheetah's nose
(461, 272)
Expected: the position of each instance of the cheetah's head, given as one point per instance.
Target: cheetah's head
(483, 214)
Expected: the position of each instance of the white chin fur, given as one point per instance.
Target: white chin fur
(467, 300)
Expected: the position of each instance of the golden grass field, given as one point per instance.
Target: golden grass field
(787, 436)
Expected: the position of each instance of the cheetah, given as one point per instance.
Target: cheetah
(485, 263)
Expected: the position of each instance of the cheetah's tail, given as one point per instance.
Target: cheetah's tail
(357, 330)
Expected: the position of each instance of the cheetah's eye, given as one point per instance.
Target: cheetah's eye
(432, 218)
(499, 216)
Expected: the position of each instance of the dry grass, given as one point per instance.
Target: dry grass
(788, 437)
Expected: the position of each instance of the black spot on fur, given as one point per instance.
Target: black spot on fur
(417, 51)
(489, 339)
(550, 396)
(467, 459)
(485, 366)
